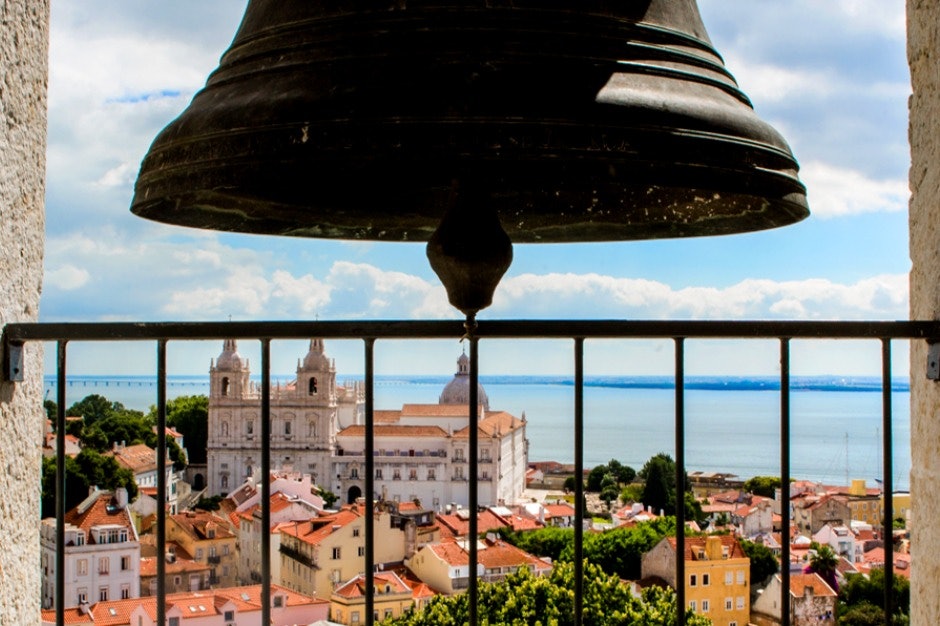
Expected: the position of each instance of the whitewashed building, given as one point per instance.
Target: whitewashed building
(102, 552)
(421, 451)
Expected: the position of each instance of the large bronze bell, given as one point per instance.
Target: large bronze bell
(577, 120)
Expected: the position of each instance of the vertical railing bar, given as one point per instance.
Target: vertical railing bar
(887, 488)
(265, 479)
(60, 493)
(161, 481)
(473, 432)
(784, 480)
(579, 481)
(369, 565)
(680, 481)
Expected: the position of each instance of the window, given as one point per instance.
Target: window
(705, 580)
(225, 550)
(103, 594)
(249, 427)
(80, 539)
(122, 535)
(378, 474)
(355, 617)
(388, 613)
(199, 554)
(104, 565)
(431, 477)
(355, 532)
(82, 567)
(729, 578)
(740, 602)
(729, 604)
(82, 595)
(705, 606)
(312, 386)
(287, 429)
(354, 472)
(125, 563)
(693, 580)
(229, 616)
(336, 552)
(173, 621)
(741, 577)
(692, 605)
(732, 624)
(412, 474)
(225, 385)
(278, 601)
(362, 551)
(125, 592)
(396, 474)
(177, 580)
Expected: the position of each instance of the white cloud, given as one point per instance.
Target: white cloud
(66, 278)
(836, 191)
(596, 296)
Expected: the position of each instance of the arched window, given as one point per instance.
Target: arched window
(312, 388)
(225, 385)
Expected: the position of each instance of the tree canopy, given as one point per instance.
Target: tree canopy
(88, 468)
(523, 599)
(190, 416)
(762, 485)
(763, 561)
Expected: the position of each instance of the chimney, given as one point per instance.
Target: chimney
(713, 548)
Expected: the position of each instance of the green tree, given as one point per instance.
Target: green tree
(93, 408)
(620, 551)
(596, 478)
(190, 416)
(763, 561)
(329, 498)
(624, 474)
(656, 491)
(523, 599)
(824, 562)
(570, 484)
(51, 408)
(860, 590)
(762, 485)
(87, 469)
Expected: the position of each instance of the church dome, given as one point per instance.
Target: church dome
(457, 391)
(316, 359)
(230, 359)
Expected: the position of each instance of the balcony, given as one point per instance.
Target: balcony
(576, 332)
(213, 559)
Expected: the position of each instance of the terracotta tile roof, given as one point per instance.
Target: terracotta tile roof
(434, 410)
(99, 513)
(318, 529)
(202, 603)
(148, 566)
(494, 554)
(560, 509)
(386, 416)
(798, 582)
(693, 545)
(198, 524)
(356, 588)
(138, 458)
(382, 430)
(459, 524)
(498, 422)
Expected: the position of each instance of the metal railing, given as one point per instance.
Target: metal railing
(16, 335)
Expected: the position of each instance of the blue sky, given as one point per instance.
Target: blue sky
(831, 76)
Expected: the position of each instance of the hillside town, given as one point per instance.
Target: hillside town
(421, 520)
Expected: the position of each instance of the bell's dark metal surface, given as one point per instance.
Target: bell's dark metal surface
(578, 120)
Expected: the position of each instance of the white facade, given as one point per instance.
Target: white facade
(304, 419)
(420, 452)
(102, 552)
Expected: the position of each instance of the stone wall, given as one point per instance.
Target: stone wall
(24, 36)
(924, 58)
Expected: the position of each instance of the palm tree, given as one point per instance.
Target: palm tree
(824, 562)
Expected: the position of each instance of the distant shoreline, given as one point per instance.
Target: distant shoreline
(717, 383)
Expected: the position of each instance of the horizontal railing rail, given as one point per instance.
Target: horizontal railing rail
(15, 336)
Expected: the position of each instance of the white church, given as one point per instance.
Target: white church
(317, 428)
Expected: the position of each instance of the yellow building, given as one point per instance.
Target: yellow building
(393, 597)
(901, 503)
(319, 554)
(210, 540)
(717, 576)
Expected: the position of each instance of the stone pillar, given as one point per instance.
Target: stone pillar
(923, 19)
(24, 35)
